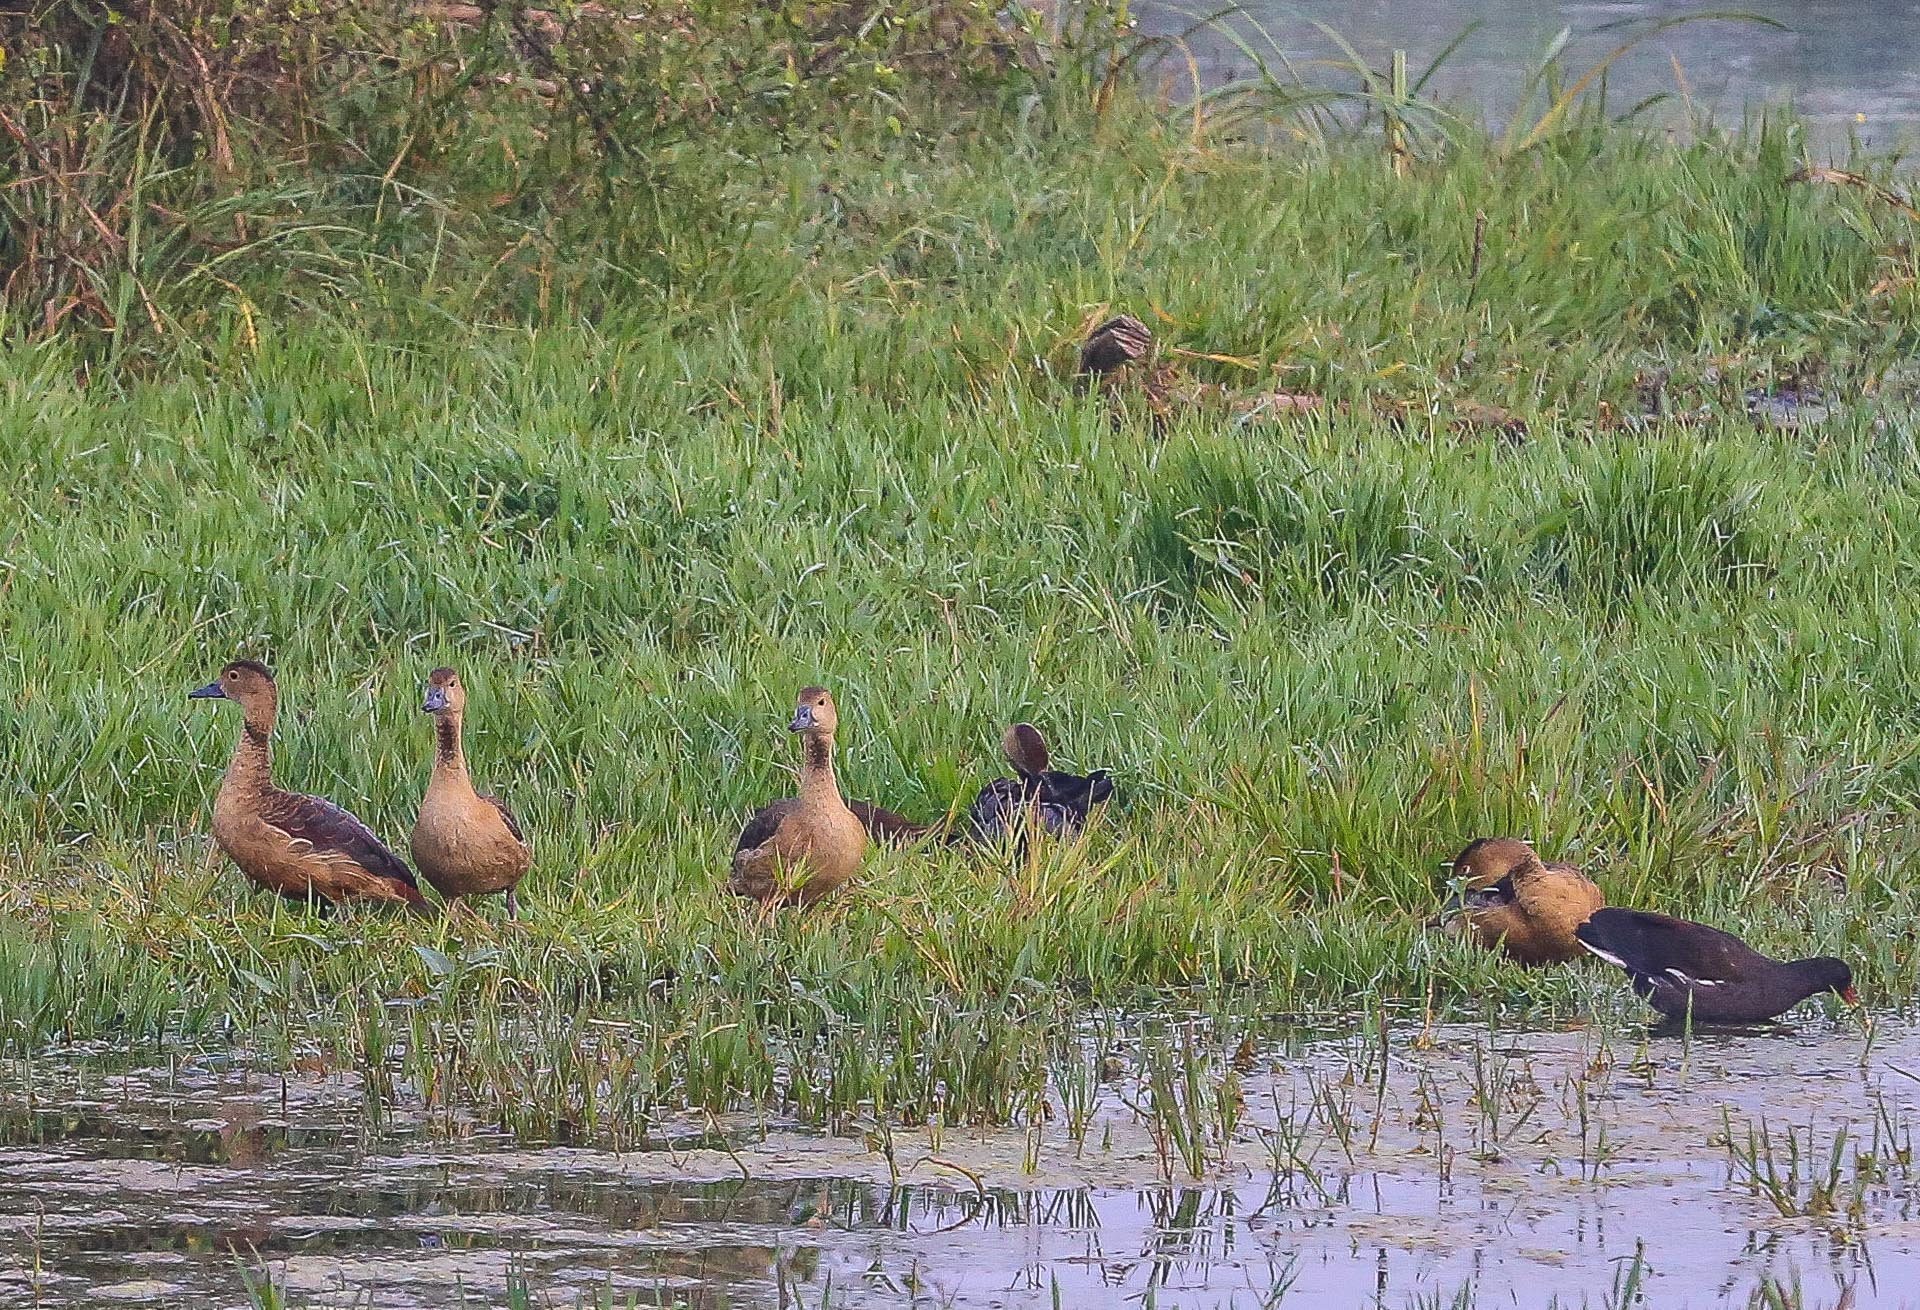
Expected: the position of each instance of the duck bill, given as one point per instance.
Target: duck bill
(211, 691)
(802, 719)
(435, 702)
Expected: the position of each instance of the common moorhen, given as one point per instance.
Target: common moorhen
(1684, 968)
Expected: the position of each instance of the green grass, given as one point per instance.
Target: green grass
(828, 437)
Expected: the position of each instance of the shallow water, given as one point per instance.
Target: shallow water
(1849, 65)
(1465, 1169)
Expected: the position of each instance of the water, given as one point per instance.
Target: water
(1851, 66)
(1509, 1167)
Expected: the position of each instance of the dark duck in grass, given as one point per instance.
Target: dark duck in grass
(795, 851)
(465, 842)
(1686, 969)
(303, 847)
(1514, 902)
(1037, 796)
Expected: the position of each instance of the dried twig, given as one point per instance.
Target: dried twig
(1840, 177)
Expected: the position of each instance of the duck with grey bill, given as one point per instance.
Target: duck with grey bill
(466, 842)
(797, 850)
(1512, 901)
(304, 848)
(1687, 970)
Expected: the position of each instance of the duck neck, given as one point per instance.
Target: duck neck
(449, 756)
(251, 769)
(818, 786)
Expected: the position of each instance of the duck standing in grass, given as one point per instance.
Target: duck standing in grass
(303, 847)
(1058, 803)
(795, 851)
(1515, 902)
(1688, 970)
(465, 842)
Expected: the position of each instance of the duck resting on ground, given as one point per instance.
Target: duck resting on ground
(795, 851)
(1514, 902)
(1687, 969)
(1057, 803)
(302, 847)
(465, 842)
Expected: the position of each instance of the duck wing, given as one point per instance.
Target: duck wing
(1666, 952)
(884, 825)
(1074, 791)
(330, 832)
(506, 816)
(761, 827)
(1012, 805)
(998, 808)
(1066, 799)
(1120, 340)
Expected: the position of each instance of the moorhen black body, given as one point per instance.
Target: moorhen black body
(1688, 969)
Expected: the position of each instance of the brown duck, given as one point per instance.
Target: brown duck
(797, 850)
(1516, 903)
(303, 847)
(465, 842)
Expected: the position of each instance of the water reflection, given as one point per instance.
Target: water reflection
(1345, 1186)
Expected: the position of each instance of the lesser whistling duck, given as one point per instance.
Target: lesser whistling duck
(1515, 902)
(1120, 340)
(1684, 968)
(1056, 801)
(303, 847)
(465, 842)
(797, 850)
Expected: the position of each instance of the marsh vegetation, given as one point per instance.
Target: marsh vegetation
(1599, 528)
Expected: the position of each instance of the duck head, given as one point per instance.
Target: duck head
(814, 714)
(445, 696)
(1486, 860)
(250, 683)
(1025, 748)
